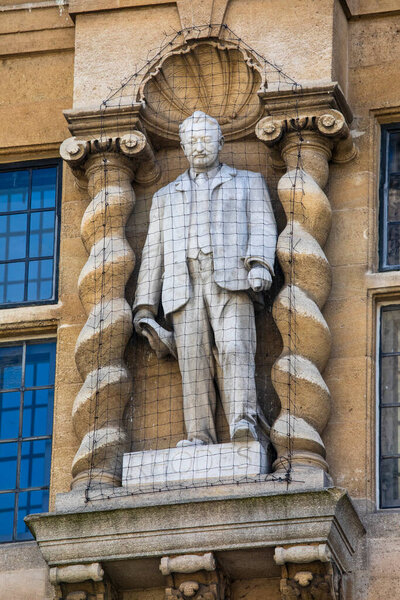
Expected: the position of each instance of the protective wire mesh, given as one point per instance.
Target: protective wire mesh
(187, 390)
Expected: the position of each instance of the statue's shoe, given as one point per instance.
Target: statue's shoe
(195, 442)
(244, 432)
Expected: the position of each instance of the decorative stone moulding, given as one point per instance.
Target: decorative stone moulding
(188, 563)
(195, 577)
(110, 129)
(107, 162)
(81, 582)
(318, 577)
(215, 76)
(305, 130)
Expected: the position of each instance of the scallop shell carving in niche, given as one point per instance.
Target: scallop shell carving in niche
(220, 80)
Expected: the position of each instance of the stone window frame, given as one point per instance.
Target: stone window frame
(24, 342)
(384, 306)
(385, 130)
(32, 164)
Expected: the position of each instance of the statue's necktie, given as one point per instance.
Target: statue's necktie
(200, 221)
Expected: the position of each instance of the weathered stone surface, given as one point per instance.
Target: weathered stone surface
(310, 41)
(243, 517)
(192, 465)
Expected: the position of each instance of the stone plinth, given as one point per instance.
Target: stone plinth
(194, 464)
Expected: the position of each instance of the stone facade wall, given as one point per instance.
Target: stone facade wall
(36, 65)
(54, 57)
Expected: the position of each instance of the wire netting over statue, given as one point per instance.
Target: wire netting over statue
(189, 366)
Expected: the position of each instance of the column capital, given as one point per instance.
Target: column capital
(106, 132)
(320, 111)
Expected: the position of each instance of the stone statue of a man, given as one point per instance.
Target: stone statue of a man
(210, 245)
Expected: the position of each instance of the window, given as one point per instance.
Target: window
(26, 418)
(389, 407)
(29, 207)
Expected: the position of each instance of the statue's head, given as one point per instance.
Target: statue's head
(201, 140)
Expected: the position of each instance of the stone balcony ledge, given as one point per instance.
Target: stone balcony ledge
(227, 520)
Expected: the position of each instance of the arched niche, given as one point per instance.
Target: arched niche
(221, 78)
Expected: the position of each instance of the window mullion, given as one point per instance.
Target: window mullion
(28, 237)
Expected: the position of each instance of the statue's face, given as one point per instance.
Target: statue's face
(201, 144)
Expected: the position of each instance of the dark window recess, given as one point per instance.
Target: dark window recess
(389, 408)
(26, 420)
(29, 216)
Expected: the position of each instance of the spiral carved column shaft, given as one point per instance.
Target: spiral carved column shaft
(297, 373)
(99, 353)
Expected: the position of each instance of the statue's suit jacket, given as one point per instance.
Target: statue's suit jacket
(242, 229)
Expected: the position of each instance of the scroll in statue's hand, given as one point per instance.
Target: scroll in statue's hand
(142, 313)
(259, 278)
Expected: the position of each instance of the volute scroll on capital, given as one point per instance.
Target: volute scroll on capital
(330, 124)
(131, 145)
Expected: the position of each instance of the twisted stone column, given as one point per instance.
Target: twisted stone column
(99, 353)
(306, 143)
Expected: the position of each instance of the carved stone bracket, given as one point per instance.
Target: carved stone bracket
(306, 586)
(194, 577)
(318, 578)
(302, 554)
(81, 582)
(306, 129)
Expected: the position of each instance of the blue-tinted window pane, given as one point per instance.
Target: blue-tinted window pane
(30, 503)
(44, 187)
(6, 517)
(41, 238)
(8, 466)
(40, 364)
(37, 413)
(40, 280)
(13, 230)
(14, 190)
(10, 367)
(35, 463)
(9, 415)
(12, 282)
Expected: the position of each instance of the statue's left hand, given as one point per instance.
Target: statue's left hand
(259, 278)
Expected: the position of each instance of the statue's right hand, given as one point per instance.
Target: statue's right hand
(142, 313)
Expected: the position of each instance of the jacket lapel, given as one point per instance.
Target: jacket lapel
(224, 174)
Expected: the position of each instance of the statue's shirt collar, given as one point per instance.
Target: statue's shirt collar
(210, 174)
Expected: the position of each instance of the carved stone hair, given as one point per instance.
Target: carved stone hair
(197, 116)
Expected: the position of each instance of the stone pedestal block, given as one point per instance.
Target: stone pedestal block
(194, 464)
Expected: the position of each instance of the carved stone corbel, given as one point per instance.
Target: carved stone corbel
(81, 582)
(104, 153)
(306, 129)
(194, 577)
(318, 577)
